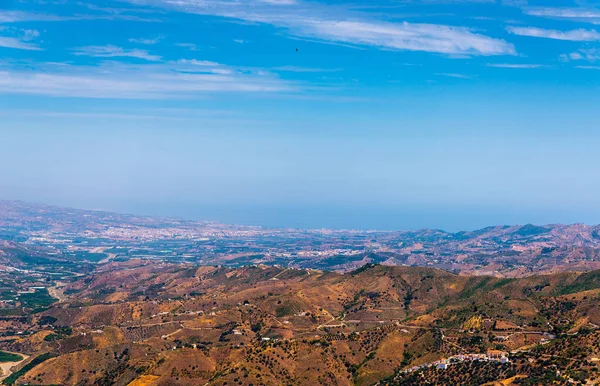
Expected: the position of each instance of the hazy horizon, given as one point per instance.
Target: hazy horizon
(327, 217)
(451, 115)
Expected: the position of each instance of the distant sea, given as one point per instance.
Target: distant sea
(359, 217)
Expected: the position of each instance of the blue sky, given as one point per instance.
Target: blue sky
(378, 114)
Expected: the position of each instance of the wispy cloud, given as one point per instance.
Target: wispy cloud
(146, 41)
(578, 14)
(140, 113)
(572, 35)
(19, 16)
(10, 42)
(412, 37)
(19, 38)
(204, 66)
(189, 46)
(589, 54)
(110, 51)
(454, 75)
(588, 67)
(195, 62)
(304, 69)
(334, 24)
(30, 34)
(517, 65)
(89, 115)
(149, 81)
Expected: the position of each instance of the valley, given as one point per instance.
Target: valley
(97, 298)
(71, 241)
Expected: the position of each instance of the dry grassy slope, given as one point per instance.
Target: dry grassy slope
(394, 292)
(174, 307)
(89, 366)
(570, 359)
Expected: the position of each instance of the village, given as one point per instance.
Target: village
(490, 356)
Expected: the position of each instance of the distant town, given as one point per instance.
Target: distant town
(95, 297)
(83, 236)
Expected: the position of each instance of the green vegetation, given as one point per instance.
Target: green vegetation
(9, 357)
(284, 310)
(363, 268)
(59, 333)
(117, 250)
(587, 281)
(36, 300)
(475, 285)
(10, 380)
(10, 312)
(502, 283)
(89, 256)
(532, 230)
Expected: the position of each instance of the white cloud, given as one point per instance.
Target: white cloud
(454, 75)
(588, 67)
(110, 51)
(516, 65)
(18, 16)
(189, 46)
(19, 38)
(407, 36)
(146, 41)
(589, 54)
(577, 14)
(195, 62)
(222, 71)
(30, 34)
(10, 42)
(150, 81)
(304, 69)
(572, 35)
(334, 24)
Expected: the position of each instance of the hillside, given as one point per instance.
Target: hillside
(143, 323)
